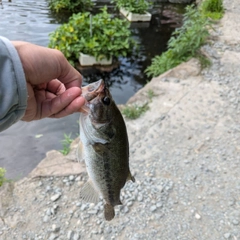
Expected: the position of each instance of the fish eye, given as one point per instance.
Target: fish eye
(106, 100)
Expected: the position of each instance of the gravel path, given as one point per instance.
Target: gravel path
(184, 155)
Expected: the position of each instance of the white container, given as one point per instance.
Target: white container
(135, 17)
(88, 60)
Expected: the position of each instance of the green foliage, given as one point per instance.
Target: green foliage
(150, 94)
(183, 44)
(110, 36)
(70, 5)
(66, 142)
(214, 15)
(204, 61)
(212, 8)
(134, 6)
(134, 111)
(2, 176)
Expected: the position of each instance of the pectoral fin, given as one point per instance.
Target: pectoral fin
(88, 193)
(79, 152)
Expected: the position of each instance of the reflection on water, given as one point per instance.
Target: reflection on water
(31, 21)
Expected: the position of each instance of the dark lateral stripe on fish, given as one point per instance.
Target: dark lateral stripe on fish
(107, 172)
(108, 178)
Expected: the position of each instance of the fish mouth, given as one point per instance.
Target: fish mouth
(90, 92)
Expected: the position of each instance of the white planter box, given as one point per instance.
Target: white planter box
(135, 17)
(87, 60)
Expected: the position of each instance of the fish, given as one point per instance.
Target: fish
(104, 147)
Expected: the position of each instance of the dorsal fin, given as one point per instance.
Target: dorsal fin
(88, 193)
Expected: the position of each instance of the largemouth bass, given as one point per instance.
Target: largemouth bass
(104, 147)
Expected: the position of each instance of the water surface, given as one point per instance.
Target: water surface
(24, 145)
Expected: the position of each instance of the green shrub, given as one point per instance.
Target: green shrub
(183, 44)
(134, 6)
(212, 8)
(2, 176)
(70, 5)
(109, 36)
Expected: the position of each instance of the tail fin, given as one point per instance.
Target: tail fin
(109, 212)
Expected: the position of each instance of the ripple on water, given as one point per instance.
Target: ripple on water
(27, 21)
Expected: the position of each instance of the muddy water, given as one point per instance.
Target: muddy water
(23, 145)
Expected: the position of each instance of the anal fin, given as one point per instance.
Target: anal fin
(88, 193)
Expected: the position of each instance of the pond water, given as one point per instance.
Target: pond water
(23, 145)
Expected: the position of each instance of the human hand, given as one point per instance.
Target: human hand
(53, 84)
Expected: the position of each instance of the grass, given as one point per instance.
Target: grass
(2, 176)
(66, 142)
(204, 61)
(134, 111)
(150, 94)
(212, 8)
(187, 40)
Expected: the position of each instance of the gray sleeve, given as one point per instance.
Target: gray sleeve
(13, 89)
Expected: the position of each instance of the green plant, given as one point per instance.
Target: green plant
(66, 142)
(184, 43)
(2, 176)
(204, 61)
(150, 94)
(107, 37)
(212, 8)
(134, 6)
(134, 111)
(70, 5)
